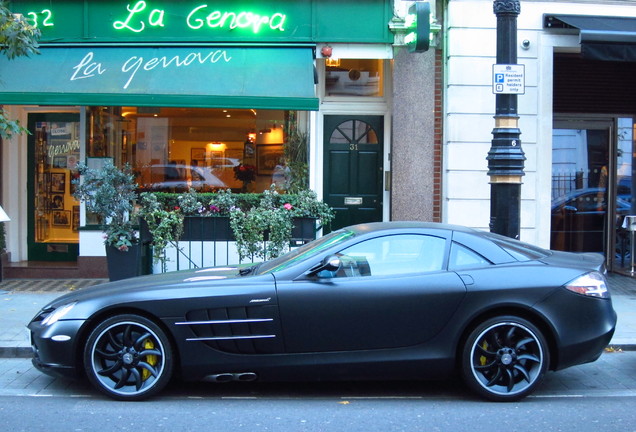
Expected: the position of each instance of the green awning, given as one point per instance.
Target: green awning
(203, 77)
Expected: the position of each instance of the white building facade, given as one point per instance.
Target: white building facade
(575, 117)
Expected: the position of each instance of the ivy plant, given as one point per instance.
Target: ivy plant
(165, 226)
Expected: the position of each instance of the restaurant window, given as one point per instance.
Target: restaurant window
(56, 140)
(175, 149)
(354, 77)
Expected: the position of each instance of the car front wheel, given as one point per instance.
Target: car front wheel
(504, 358)
(128, 357)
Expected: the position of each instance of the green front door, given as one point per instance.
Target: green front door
(53, 213)
(353, 148)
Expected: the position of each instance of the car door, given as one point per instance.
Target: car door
(390, 292)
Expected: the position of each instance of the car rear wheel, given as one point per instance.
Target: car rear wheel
(504, 358)
(128, 357)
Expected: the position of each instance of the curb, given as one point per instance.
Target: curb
(16, 352)
(622, 347)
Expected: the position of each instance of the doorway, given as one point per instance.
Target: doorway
(53, 213)
(353, 168)
(592, 186)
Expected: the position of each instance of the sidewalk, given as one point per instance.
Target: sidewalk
(21, 299)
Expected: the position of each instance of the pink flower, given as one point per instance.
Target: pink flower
(123, 248)
(288, 206)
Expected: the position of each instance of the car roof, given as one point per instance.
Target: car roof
(493, 247)
(380, 226)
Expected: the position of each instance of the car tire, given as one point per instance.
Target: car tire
(128, 357)
(505, 358)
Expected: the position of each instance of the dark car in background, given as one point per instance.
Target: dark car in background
(397, 300)
(578, 220)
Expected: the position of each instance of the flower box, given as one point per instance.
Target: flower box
(197, 228)
(304, 229)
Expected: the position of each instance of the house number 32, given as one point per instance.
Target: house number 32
(47, 18)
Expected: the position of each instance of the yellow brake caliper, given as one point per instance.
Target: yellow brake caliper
(151, 359)
(483, 359)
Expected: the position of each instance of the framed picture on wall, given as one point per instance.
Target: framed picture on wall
(236, 154)
(61, 218)
(58, 182)
(57, 202)
(267, 157)
(248, 149)
(59, 162)
(76, 218)
(71, 162)
(197, 154)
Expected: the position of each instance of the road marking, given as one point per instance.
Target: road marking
(592, 393)
(587, 394)
(386, 397)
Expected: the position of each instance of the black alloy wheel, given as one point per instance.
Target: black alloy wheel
(128, 357)
(504, 359)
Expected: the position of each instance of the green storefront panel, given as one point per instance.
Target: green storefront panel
(167, 76)
(214, 21)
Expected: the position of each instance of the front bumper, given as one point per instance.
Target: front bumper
(55, 348)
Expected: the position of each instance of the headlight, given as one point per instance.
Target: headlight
(58, 313)
(590, 284)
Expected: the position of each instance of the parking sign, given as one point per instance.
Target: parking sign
(508, 79)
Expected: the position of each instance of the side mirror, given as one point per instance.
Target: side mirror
(331, 263)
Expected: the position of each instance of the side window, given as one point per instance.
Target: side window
(462, 257)
(393, 255)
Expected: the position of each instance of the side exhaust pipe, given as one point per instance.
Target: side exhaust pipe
(227, 377)
(246, 376)
(222, 378)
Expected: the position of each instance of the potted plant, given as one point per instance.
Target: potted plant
(109, 192)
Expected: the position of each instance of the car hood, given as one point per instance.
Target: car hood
(151, 286)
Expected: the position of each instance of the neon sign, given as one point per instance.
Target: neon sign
(236, 20)
(141, 15)
(198, 18)
(45, 14)
(155, 18)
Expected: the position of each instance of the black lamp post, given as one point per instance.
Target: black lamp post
(506, 158)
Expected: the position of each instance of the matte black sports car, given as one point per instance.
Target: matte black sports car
(376, 301)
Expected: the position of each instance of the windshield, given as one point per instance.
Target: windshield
(305, 251)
